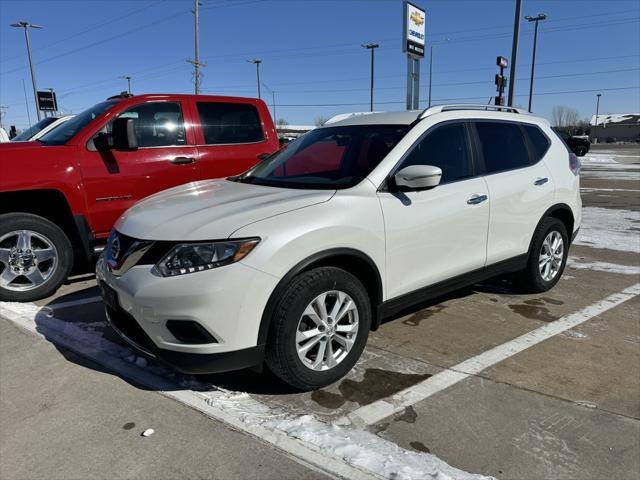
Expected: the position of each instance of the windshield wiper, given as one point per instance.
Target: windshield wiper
(41, 141)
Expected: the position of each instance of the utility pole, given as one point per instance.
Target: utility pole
(26, 101)
(273, 102)
(26, 26)
(372, 47)
(128, 79)
(595, 125)
(257, 63)
(430, 72)
(197, 75)
(541, 16)
(514, 53)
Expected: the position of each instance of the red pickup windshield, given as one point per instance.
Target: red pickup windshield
(66, 131)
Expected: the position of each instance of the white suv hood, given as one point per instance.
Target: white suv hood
(211, 209)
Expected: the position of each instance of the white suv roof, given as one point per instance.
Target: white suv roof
(407, 117)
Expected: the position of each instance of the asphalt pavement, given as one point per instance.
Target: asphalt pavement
(485, 381)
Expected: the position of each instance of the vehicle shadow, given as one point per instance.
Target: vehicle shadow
(86, 324)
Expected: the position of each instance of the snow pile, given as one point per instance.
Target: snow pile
(368, 451)
(592, 157)
(603, 119)
(611, 229)
(573, 262)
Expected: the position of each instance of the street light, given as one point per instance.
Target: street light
(372, 47)
(27, 26)
(128, 79)
(273, 100)
(431, 68)
(257, 63)
(541, 16)
(595, 125)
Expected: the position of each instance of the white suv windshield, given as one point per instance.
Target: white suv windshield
(66, 131)
(327, 158)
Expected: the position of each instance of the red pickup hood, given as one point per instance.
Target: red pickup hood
(27, 165)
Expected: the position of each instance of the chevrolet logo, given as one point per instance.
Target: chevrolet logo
(417, 18)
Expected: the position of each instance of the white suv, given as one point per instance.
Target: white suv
(293, 262)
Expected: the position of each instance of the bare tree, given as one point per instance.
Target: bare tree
(565, 118)
(281, 122)
(320, 121)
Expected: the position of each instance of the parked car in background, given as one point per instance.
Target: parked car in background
(4, 137)
(60, 196)
(578, 145)
(41, 128)
(296, 260)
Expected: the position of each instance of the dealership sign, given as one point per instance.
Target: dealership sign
(414, 29)
(47, 101)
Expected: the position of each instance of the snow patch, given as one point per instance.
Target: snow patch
(610, 229)
(603, 267)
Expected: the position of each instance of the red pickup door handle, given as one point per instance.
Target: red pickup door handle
(182, 160)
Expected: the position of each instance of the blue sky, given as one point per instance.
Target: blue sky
(311, 52)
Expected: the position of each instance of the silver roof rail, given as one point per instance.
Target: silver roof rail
(471, 106)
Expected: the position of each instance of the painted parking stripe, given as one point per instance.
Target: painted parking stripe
(72, 303)
(339, 452)
(381, 409)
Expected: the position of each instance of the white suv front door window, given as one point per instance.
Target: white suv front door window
(520, 192)
(433, 235)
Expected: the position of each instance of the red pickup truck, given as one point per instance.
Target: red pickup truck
(60, 195)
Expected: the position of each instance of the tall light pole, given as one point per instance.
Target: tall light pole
(541, 16)
(273, 101)
(514, 53)
(27, 26)
(431, 68)
(595, 125)
(257, 62)
(197, 75)
(128, 79)
(372, 47)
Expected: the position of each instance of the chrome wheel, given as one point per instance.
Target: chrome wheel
(551, 255)
(27, 260)
(327, 330)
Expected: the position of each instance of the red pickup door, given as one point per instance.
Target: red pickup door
(60, 196)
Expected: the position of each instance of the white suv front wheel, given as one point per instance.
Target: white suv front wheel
(319, 328)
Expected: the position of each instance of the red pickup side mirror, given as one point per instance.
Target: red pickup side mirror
(124, 135)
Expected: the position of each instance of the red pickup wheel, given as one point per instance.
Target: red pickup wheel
(35, 257)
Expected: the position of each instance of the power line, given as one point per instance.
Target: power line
(457, 98)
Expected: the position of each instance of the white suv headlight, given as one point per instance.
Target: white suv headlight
(195, 257)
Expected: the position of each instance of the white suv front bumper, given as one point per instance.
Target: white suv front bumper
(227, 302)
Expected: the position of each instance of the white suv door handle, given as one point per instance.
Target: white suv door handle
(475, 199)
(541, 181)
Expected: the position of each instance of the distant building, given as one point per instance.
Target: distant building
(623, 127)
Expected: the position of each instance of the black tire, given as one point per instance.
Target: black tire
(530, 280)
(581, 151)
(55, 236)
(281, 352)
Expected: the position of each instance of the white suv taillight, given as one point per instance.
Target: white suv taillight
(574, 163)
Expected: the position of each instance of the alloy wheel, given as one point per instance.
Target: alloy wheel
(27, 260)
(327, 330)
(551, 256)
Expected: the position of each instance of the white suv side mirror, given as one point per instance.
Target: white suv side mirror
(418, 177)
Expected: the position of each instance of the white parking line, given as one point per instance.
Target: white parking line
(381, 409)
(72, 303)
(342, 452)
